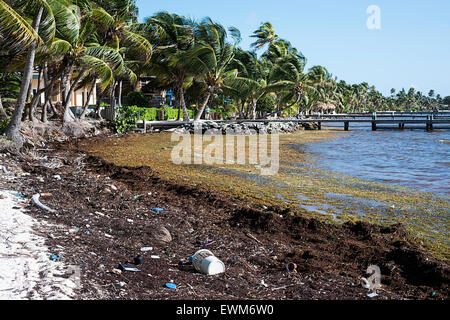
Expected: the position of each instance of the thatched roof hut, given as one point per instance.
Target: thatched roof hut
(324, 107)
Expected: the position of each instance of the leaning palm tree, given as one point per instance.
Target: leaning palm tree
(250, 84)
(13, 28)
(117, 27)
(209, 59)
(264, 35)
(170, 64)
(287, 77)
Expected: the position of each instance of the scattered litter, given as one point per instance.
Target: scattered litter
(116, 271)
(35, 200)
(57, 177)
(136, 197)
(252, 237)
(365, 283)
(184, 263)
(205, 262)
(108, 235)
(208, 243)
(125, 267)
(46, 195)
(171, 286)
(146, 249)
(291, 267)
(17, 194)
(87, 232)
(372, 295)
(155, 257)
(73, 230)
(54, 257)
(100, 214)
(122, 284)
(264, 284)
(5, 171)
(157, 210)
(138, 260)
(130, 220)
(84, 261)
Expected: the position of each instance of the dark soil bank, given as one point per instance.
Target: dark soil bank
(114, 204)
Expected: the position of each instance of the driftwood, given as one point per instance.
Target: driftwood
(35, 200)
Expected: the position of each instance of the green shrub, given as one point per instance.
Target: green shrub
(3, 124)
(126, 120)
(151, 114)
(137, 98)
(145, 113)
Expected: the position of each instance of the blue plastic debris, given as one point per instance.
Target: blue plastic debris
(124, 267)
(53, 257)
(171, 285)
(17, 194)
(157, 210)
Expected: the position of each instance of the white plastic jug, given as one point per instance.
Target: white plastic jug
(205, 262)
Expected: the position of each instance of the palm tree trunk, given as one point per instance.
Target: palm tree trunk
(13, 129)
(200, 113)
(252, 107)
(120, 94)
(288, 107)
(36, 99)
(68, 115)
(179, 103)
(47, 94)
(3, 115)
(86, 104)
(183, 105)
(27, 103)
(98, 107)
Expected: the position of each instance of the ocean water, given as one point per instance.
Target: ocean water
(414, 159)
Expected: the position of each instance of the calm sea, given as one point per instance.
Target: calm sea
(412, 158)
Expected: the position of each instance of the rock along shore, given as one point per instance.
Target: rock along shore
(245, 128)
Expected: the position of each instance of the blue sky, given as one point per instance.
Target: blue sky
(412, 48)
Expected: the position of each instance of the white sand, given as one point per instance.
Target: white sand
(26, 271)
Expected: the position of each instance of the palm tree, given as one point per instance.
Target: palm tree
(170, 63)
(250, 84)
(287, 77)
(117, 27)
(14, 28)
(209, 59)
(264, 35)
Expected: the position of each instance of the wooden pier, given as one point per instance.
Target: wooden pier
(377, 121)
